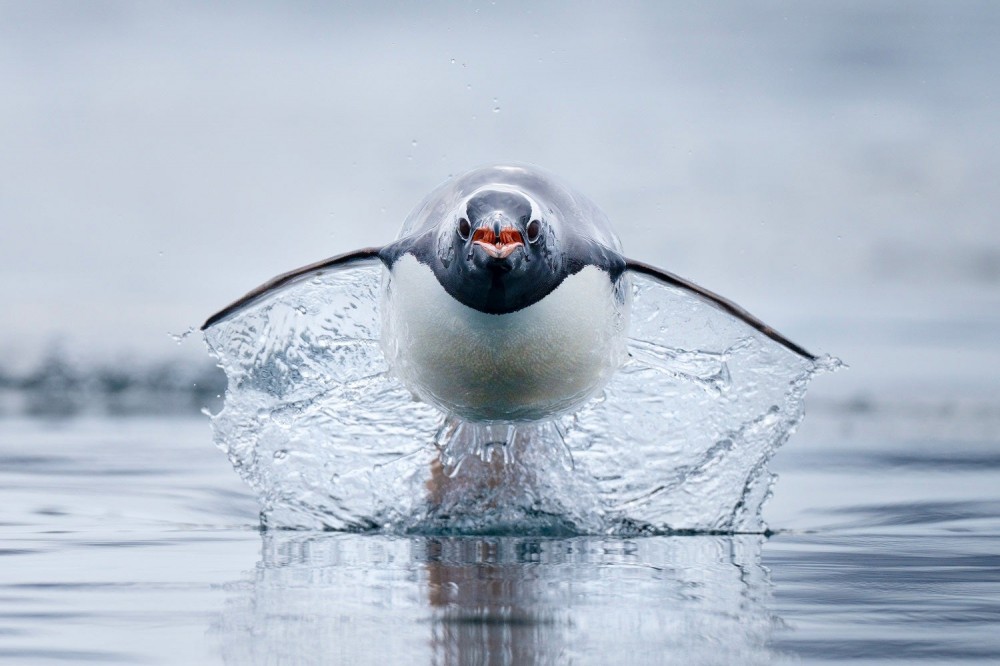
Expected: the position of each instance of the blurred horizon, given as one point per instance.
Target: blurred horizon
(831, 167)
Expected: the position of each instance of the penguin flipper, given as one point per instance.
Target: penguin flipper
(289, 278)
(718, 301)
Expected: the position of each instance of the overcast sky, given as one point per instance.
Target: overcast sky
(814, 161)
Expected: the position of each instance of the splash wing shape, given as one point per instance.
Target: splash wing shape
(680, 438)
(312, 419)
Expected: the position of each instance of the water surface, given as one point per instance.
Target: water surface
(131, 540)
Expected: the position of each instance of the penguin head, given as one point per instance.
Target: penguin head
(498, 253)
(501, 238)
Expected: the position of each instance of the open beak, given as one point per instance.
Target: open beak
(498, 246)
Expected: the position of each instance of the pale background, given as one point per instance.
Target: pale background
(833, 167)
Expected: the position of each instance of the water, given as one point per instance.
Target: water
(131, 540)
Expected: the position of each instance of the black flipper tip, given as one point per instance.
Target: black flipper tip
(286, 278)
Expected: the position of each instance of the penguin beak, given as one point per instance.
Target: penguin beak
(498, 245)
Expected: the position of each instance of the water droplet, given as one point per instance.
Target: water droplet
(281, 454)
(414, 143)
(496, 109)
(496, 105)
(468, 86)
(181, 337)
(452, 61)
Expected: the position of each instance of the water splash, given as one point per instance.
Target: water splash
(679, 440)
(181, 337)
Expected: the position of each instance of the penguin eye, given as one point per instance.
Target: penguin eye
(464, 228)
(534, 230)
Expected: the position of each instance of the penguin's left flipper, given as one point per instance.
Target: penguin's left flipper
(720, 302)
(364, 255)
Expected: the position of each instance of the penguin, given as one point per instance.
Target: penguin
(505, 297)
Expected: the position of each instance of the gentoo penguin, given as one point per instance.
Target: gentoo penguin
(505, 297)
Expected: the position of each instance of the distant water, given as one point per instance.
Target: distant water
(128, 540)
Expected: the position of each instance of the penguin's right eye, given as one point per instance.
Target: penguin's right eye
(464, 228)
(534, 230)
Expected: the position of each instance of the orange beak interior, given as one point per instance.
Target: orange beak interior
(498, 246)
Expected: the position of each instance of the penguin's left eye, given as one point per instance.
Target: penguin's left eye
(464, 228)
(533, 230)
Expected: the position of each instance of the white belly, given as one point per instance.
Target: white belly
(526, 365)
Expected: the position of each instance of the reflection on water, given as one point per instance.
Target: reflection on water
(131, 540)
(906, 598)
(499, 600)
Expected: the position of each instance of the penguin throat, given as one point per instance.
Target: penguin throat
(496, 292)
(496, 297)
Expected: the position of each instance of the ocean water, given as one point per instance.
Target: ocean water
(131, 540)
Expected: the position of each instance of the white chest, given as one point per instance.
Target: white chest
(526, 365)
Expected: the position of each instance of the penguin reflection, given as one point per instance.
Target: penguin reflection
(505, 600)
(488, 603)
(353, 598)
